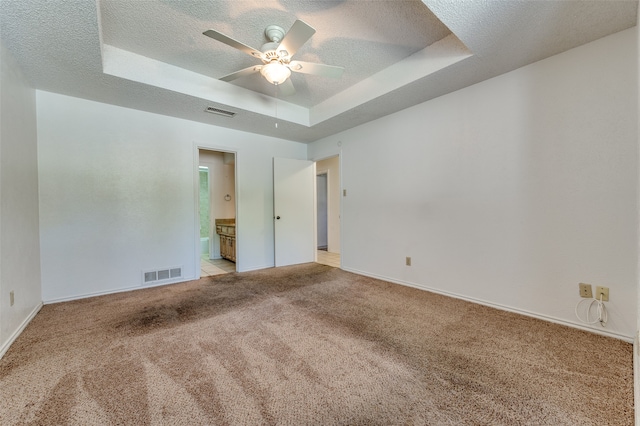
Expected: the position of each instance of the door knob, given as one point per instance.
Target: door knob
(278, 217)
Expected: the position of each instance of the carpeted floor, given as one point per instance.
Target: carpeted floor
(307, 345)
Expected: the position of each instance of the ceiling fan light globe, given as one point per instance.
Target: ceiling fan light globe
(275, 73)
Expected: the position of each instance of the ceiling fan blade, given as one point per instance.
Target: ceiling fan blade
(287, 88)
(297, 35)
(241, 73)
(316, 69)
(233, 43)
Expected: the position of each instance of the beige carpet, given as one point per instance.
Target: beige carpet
(307, 345)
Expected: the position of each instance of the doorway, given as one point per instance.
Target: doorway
(322, 211)
(328, 193)
(217, 252)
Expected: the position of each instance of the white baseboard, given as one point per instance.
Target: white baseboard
(256, 268)
(5, 347)
(122, 290)
(636, 377)
(498, 306)
(114, 291)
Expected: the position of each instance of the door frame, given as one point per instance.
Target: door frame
(199, 218)
(318, 173)
(197, 147)
(341, 187)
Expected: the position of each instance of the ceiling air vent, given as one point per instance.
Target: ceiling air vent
(219, 111)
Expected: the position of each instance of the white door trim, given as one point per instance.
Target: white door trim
(196, 197)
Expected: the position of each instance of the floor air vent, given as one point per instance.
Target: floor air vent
(161, 275)
(219, 111)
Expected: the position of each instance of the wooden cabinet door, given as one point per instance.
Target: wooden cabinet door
(227, 247)
(223, 246)
(232, 249)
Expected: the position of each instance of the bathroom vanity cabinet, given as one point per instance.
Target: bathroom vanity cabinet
(226, 228)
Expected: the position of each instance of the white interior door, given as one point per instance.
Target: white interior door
(294, 211)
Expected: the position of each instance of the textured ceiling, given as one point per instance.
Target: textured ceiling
(151, 54)
(352, 34)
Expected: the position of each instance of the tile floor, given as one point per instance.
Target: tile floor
(331, 259)
(210, 267)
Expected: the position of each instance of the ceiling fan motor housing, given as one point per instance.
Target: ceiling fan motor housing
(271, 55)
(274, 33)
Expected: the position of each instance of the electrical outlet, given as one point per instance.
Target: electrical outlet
(604, 291)
(344, 192)
(585, 290)
(408, 261)
(11, 298)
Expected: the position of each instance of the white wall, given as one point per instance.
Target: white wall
(636, 356)
(332, 167)
(222, 182)
(19, 243)
(118, 188)
(509, 192)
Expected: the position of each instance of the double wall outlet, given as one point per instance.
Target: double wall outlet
(408, 261)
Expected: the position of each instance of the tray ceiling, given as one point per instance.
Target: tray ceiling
(151, 54)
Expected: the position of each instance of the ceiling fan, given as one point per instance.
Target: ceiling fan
(276, 56)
